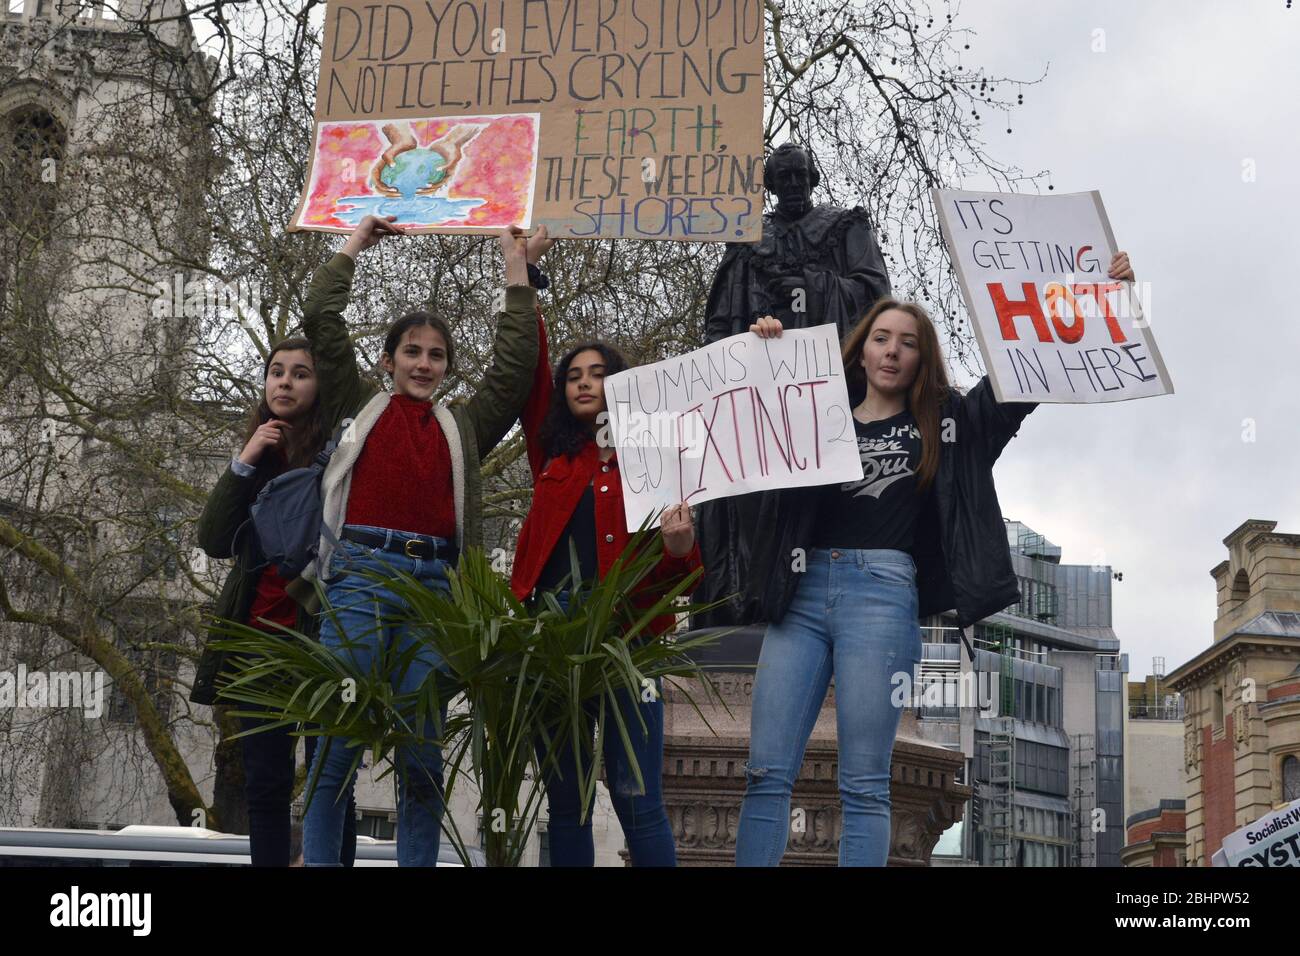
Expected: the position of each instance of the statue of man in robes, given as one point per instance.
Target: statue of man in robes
(813, 265)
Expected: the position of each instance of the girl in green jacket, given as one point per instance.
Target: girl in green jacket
(402, 492)
(284, 431)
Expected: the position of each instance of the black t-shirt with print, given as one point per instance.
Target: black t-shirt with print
(880, 510)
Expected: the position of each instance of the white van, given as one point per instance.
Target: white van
(168, 846)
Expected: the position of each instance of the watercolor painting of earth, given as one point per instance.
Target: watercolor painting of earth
(439, 172)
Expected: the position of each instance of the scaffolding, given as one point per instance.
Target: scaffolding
(1000, 793)
(1084, 794)
(996, 795)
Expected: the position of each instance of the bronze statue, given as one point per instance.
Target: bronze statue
(813, 265)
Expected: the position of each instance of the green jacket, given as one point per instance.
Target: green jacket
(481, 421)
(226, 510)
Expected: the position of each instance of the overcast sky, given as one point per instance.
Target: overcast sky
(1162, 123)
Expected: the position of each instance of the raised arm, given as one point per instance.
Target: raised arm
(672, 568)
(538, 401)
(340, 382)
(991, 422)
(503, 396)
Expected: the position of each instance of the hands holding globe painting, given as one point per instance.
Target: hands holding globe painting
(406, 169)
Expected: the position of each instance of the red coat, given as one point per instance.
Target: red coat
(557, 487)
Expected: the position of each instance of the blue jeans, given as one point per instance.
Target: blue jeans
(355, 625)
(854, 616)
(268, 786)
(641, 814)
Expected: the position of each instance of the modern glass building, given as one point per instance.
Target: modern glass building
(1039, 714)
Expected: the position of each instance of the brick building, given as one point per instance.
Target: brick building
(1241, 725)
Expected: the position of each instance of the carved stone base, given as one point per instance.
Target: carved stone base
(704, 782)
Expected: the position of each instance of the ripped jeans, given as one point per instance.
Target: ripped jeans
(854, 616)
(641, 814)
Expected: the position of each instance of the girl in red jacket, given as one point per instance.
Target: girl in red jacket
(577, 494)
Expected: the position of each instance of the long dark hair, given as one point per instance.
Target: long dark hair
(561, 433)
(928, 390)
(307, 437)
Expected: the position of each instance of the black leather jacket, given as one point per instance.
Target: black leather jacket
(963, 559)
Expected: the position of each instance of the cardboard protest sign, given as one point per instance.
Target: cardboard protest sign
(741, 414)
(1050, 324)
(1273, 840)
(637, 119)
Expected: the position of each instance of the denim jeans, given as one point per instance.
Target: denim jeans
(854, 616)
(641, 813)
(268, 759)
(361, 607)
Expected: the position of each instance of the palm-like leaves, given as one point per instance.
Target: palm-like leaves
(512, 677)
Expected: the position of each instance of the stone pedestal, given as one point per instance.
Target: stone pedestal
(704, 781)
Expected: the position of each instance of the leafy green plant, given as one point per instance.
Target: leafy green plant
(514, 675)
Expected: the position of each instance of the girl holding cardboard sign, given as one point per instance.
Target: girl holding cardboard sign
(578, 495)
(402, 492)
(853, 566)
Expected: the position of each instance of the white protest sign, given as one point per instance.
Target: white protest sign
(1051, 325)
(742, 414)
(1273, 840)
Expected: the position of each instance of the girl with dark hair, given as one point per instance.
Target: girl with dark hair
(578, 496)
(920, 533)
(284, 431)
(402, 492)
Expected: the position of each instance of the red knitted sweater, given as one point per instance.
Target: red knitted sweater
(402, 478)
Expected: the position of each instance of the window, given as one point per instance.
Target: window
(33, 139)
(15, 8)
(32, 144)
(162, 544)
(1290, 779)
(95, 9)
(381, 825)
(156, 667)
(1216, 706)
(1023, 607)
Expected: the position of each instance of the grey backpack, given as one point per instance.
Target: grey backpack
(287, 519)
